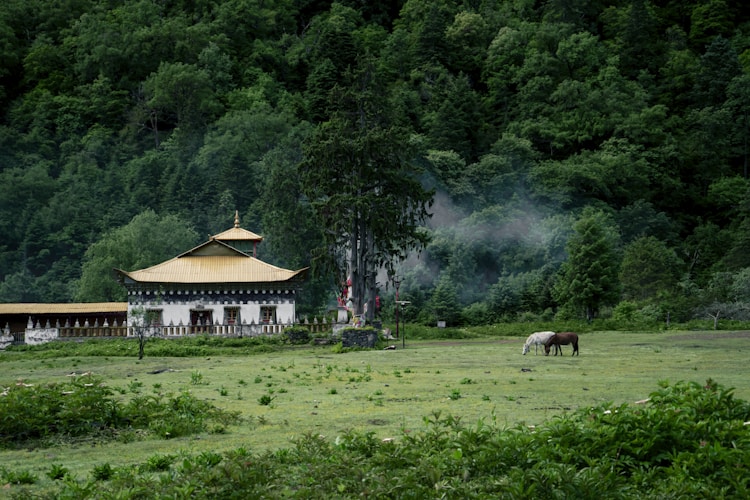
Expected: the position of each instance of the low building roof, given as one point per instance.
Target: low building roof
(64, 308)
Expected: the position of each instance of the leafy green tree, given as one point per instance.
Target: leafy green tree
(648, 268)
(19, 287)
(677, 72)
(703, 248)
(426, 23)
(736, 256)
(636, 33)
(574, 12)
(444, 303)
(710, 19)
(739, 290)
(588, 279)
(718, 66)
(505, 57)
(607, 174)
(722, 297)
(451, 124)
(142, 324)
(501, 174)
(738, 102)
(706, 148)
(505, 296)
(450, 170)
(642, 219)
(230, 157)
(181, 95)
(468, 38)
(145, 241)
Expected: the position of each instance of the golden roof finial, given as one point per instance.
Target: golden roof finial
(236, 218)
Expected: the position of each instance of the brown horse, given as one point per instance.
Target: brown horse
(563, 338)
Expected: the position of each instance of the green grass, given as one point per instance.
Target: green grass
(314, 391)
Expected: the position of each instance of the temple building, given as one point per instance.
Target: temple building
(219, 287)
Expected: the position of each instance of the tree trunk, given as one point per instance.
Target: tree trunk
(355, 269)
(370, 274)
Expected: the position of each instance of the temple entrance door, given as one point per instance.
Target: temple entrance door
(201, 321)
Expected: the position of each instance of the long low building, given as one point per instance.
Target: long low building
(17, 317)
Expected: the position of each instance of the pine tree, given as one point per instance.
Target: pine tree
(589, 278)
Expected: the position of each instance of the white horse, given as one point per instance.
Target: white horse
(536, 339)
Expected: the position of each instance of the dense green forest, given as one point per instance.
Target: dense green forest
(583, 158)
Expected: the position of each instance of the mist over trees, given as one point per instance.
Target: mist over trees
(586, 158)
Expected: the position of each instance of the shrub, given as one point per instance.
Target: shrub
(157, 463)
(103, 472)
(85, 406)
(57, 472)
(13, 477)
(297, 335)
(687, 441)
(265, 400)
(81, 406)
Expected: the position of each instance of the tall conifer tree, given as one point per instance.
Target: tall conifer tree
(357, 173)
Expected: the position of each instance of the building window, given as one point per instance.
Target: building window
(231, 315)
(268, 314)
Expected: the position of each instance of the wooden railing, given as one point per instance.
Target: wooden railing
(77, 331)
(92, 331)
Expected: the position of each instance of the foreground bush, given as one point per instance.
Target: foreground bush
(687, 441)
(84, 405)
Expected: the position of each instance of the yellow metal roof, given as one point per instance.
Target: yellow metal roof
(213, 262)
(62, 308)
(237, 234)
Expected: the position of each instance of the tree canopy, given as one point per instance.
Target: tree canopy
(334, 124)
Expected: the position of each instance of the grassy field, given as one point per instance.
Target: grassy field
(314, 390)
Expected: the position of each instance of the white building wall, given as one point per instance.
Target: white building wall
(176, 313)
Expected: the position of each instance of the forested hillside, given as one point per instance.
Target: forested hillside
(584, 155)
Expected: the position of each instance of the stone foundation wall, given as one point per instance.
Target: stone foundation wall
(5, 341)
(359, 337)
(41, 335)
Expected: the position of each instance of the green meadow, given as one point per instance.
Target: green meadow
(314, 390)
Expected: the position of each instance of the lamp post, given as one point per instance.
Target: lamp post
(396, 283)
(403, 338)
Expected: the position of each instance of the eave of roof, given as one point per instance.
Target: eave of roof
(213, 262)
(64, 308)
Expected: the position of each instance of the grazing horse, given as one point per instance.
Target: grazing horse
(559, 339)
(536, 339)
